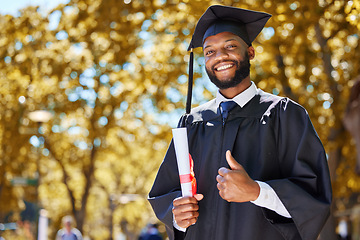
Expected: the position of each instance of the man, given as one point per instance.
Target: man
(260, 166)
(68, 232)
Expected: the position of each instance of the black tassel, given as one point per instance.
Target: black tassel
(190, 83)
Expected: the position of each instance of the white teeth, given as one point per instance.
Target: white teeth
(224, 67)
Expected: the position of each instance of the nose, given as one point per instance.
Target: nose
(221, 54)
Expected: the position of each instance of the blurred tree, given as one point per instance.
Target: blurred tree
(16, 154)
(113, 75)
(85, 71)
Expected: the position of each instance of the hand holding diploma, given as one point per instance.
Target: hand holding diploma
(184, 162)
(185, 208)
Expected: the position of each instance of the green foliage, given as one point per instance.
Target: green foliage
(107, 71)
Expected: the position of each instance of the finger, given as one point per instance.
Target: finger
(222, 171)
(184, 200)
(220, 187)
(198, 197)
(187, 208)
(219, 179)
(184, 221)
(221, 191)
(234, 165)
(186, 215)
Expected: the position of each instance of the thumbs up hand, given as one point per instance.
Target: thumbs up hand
(234, 184)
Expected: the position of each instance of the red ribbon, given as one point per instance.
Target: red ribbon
(192, 176)
(185, 178)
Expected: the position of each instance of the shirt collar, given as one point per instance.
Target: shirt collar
(241, 99)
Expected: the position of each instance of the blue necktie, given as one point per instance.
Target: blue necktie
(226, 108)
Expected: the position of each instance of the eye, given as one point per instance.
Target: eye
(208, 53)
(230, 46)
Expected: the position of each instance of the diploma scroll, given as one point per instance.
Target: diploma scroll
(184, 162)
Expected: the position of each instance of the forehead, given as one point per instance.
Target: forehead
(222, 38)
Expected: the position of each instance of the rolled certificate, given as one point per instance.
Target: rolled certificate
(183, 158)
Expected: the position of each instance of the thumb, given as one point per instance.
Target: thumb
(198, 196)
(234, 165)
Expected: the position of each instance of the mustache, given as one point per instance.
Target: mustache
(221, 61)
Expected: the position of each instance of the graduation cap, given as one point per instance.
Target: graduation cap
(244, 23)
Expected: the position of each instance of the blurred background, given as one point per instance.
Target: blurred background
(90, 89)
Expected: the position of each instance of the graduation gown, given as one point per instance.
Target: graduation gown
(275, 141)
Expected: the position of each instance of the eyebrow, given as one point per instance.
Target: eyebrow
(231, 39)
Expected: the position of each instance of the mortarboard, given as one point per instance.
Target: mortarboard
(245, 23)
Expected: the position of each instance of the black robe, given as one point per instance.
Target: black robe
(275, 141)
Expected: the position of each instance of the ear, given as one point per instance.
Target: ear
(251, 52)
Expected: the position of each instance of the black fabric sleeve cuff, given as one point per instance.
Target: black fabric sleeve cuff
(179, 235)
(273, 217)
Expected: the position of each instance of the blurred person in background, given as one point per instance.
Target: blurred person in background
(68, 232)
(150, 232)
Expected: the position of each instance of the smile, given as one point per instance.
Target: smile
(224, 67)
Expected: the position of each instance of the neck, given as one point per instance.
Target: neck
(234, 91)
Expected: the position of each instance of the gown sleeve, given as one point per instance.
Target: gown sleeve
(165, 189)
(305, 189)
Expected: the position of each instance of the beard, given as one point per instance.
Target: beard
(241, 72)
